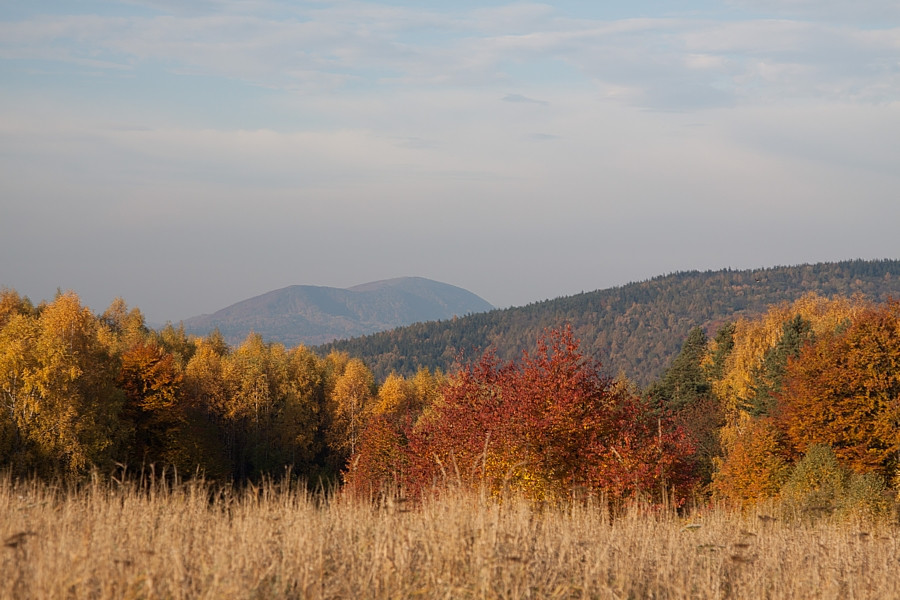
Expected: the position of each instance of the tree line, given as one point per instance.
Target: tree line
(80, 391)
(801, 403)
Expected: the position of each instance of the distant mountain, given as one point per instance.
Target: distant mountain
(635, 329)
(306, 314)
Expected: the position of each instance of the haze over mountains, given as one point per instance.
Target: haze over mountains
(306, 314)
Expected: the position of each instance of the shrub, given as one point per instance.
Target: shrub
(816, 483)
(820, 485)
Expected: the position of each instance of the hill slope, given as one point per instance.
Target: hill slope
(636, 328)
(305, 314)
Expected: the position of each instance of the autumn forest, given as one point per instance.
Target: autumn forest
(801, 403)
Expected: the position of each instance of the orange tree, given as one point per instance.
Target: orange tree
(547, 425)
(756, 465)
(153, 401)
(381, 459)
(844, 391)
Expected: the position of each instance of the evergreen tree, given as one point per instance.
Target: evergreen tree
(767, 380)
(722, 346)
(685, 381)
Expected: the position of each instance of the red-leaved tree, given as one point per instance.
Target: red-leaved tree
(548, 426)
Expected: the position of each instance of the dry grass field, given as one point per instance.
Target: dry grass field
(186, 541)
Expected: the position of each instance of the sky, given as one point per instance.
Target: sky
(188, 154)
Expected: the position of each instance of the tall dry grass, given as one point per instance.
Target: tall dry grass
(105, 540)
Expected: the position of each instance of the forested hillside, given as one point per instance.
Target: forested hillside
(635, 329)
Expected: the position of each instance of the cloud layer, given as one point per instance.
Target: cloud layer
(522, 150)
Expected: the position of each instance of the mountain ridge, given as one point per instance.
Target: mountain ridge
(308, 314)
(635, 329)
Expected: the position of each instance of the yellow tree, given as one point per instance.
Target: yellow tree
(335, 364)
(284, 438)
(12, 304)
(206, 396)
(273, 401)
(395, 395)
(299, 408)
(352, 400)
(755, 466)
(71, 406)
(381, 453)
(177, 343)
(122, 329)
(248, 402)
(18, 337)
(753, 338)
(205, 378)
(249, 374)
(426, 388)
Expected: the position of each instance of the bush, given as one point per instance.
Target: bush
(819, 485)
(866, 496)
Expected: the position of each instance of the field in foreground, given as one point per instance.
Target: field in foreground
(186, 541)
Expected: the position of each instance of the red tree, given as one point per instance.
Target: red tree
(547, 425)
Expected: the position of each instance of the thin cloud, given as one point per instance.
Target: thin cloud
(674, 64)
(250, 133)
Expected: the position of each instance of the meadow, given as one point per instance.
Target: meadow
(106, 539)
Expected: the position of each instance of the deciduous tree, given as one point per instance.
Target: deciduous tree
(844, 391)
(67, 405)
(547, 425)
(352, 400)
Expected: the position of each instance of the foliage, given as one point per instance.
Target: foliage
(814, 372)
(844, 391)
(153, 403)
(719, 349)
(57, 377)
(816, 482)
(547, 425)
(819, 485)
(352, 402)
(743, 416)
(867, 497)
(273, 400)
(686, 390)
(755, 465)
(381, 461)
(684, 381)
(753, 368)
(80, 391)
(767, 377)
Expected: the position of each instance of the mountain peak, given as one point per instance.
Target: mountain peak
(306, 314)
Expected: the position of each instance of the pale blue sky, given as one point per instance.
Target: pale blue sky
(186, 155)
